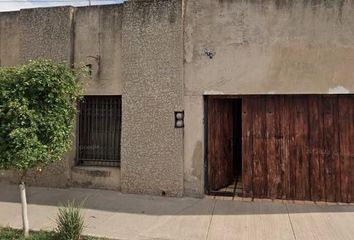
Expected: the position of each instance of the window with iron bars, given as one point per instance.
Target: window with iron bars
(99, 131)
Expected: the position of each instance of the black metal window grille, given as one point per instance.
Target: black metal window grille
(99, 131)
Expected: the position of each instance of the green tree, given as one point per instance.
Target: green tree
(37, 111)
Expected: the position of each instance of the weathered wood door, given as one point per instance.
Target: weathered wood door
(220, 142)
(298, 147)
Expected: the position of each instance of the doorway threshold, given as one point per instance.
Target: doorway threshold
(233, 190)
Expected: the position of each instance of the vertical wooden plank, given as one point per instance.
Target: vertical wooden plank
(264, 145)
(211, 134)
(278, 139)
(351, 146)
(215, 164)
(301, 141)
(330, 143)
(214, 121)
(247, 147)
(220, 137)
(272, 158)
(298, 141)
(259, 149)
(227, 170)
(346, 118)
(319, 149)
(237, 137)
(314, 145)
(257, 145)
(284, 111)
(292, 148)
(336, 149)
(343, 113)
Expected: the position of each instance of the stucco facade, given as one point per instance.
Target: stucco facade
(164, 56)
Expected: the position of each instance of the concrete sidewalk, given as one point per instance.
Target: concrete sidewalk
(124, 216)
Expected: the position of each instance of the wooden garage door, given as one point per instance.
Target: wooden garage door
(298, 147)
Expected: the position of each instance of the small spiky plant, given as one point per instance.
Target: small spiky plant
(70, 221)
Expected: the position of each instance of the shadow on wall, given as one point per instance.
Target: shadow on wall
(151, 205)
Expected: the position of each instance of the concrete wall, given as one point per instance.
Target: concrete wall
(96, 177)
(194, 146)
(270, 47)
(9, 39)
(260, 47)
(47, 33)
(152, 148)
(98, 34)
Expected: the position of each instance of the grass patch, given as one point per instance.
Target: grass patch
(12, 234)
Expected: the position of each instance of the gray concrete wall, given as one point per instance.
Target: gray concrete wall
(152, 148)
(96, 177)
(194, 146)
(9, 39)
(267, 47)
(260, 47)
(98, 34)
(47, 33)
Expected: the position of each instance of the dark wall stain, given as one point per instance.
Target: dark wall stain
(92, 173)
(197, 160)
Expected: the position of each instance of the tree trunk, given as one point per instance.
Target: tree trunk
(25, 223)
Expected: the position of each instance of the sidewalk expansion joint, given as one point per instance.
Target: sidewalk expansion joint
(291, 223)
(211, 219)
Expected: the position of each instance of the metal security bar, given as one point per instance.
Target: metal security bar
(99, 131)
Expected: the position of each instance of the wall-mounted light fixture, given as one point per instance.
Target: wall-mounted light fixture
(179, 119)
